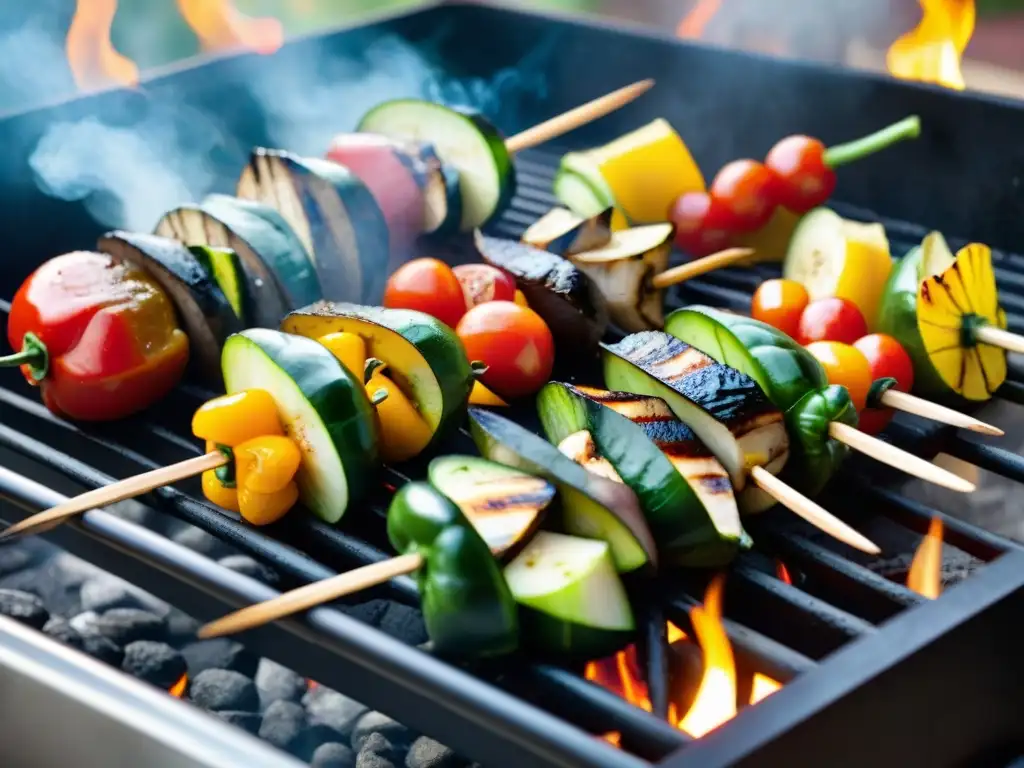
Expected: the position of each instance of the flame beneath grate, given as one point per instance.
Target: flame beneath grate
(932, 52)
(95, 63)
(178, 689)
(715, 700)
(925, 574)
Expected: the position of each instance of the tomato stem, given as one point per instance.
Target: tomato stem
(841, 154)
(33, 354)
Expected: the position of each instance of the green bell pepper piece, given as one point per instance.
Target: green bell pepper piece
(467, 606)
(814, 456)
(783, 369)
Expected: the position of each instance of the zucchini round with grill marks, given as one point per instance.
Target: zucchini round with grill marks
(322, 406)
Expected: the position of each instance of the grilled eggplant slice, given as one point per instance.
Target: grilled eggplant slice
(505, 505)
(202, 307)
(725, 408)
(684, 490)
(592, 506)
(563, 232)
(335, 216)
(623, 270)
(573, 308)
(439, 183)
(279, 276)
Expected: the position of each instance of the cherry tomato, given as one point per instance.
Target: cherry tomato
(845, 365)
(887, 358)
(805, 180)
(780, 303)
(831, 319)
(701, 224)
(746, 189)
(515, 344)
(482, 282)
(427, 285)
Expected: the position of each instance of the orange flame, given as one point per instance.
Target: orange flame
(933, 50)
(783, 572)
(716, 698)
(219, 25)
(925, 572)
(178, 689)
(91, 55)
(696, 21)
(763, 687)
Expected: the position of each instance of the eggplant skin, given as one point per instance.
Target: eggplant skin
(731, 397)
(573, 308)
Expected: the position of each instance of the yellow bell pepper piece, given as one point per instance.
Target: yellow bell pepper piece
(266, 508)
(349, 348)
(403, 432)
(217, 494)
(266, 464)
(233, 419)
(481, 395)
(520, 299)
(646, 170)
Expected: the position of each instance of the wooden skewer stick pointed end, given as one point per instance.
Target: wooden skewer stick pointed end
(811, 511)
(898, 458)
(110, 494)
(903, 401)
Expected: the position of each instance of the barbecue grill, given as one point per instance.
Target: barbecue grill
(874, 673)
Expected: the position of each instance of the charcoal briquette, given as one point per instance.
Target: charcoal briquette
(155, 663)
(248, 721)
(219, 653)
(249, 567)
(224, 689)
(126, 625)
(277, 683)
(60, 629)
(105, 593)
(333, 755)
(379, 724)
(334, 710)
(427, 753)
(377, 751)
(24, 607)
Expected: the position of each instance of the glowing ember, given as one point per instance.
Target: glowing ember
(91, 56)
(697, 20)
(311, 684)
(933, 50)
(716, 698)
(178, 689)
(925, 572)
(219, 25)
(782, 572)
(674, 633)
(763, 687)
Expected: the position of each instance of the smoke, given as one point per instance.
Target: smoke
(128, 174)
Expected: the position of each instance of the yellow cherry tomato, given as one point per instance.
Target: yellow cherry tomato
(266, 508)
(266, 464)
(227, 498)
(233, 419)
(349, 348)
(846, 366)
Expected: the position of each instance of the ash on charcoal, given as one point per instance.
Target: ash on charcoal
(248, 567)
(105, 593)
(56, 581)
(378, 752)
(60, 629)
(155, 663)
(377, 723)
(85, 623)
(284, 723)
(224, 689)
(277, 683)
(333, 710)
(427, 753)
(249, 721)
(126, 625)
(89, 639)
(333, 755)
(204, 543)
(219, 653)
(24, 607)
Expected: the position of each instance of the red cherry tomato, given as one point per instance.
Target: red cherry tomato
(746, 190)
(887, 358)
(805, 181)
(780, 303)
(831, 319)
(427, 285)
(701, 224)
(515, 344)
(846, 366)
(482, 282)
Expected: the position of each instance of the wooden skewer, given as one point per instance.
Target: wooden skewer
(811, 511)
(574, 118)
(903, 401)
(119, 491)
(311, 595)
(997, 337)
(698, 267)
(898, 458)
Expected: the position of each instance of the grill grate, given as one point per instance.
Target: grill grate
(775, 628)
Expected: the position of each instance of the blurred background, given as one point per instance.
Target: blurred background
(112, 41)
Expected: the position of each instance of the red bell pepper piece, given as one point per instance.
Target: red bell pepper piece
(99, 337)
